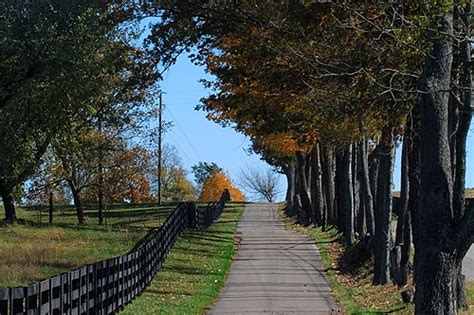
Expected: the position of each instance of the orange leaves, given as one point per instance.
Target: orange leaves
(214, 186)
(281, 143)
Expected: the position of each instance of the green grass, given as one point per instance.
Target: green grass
(119, 215)
(470, 297)
(36, 250)
(194, 272)
(353, 291)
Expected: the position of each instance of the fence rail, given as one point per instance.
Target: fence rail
(107, 286)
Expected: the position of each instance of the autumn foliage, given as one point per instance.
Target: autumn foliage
(214, 186)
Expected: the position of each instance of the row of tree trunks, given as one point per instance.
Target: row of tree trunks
(338, 187)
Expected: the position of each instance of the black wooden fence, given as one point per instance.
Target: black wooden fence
(107, 286)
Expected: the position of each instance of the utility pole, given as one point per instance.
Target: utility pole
(100, 191)
(160, 132)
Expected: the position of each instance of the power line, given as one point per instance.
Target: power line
(181, 149)
(184, 134)
(160, 135)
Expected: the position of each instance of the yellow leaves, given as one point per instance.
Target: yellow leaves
(281, 143)
(215, 185)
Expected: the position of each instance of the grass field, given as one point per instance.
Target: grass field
(34, 250)
(195, 270)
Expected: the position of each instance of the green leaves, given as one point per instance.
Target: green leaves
(63, 65)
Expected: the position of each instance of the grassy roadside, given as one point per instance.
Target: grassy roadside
(195, 270)
(34, 251)
(470, 297)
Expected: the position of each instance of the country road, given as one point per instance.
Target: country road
(468, 265)
(275, 271)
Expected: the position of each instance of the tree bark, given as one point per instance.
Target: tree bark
(366, 192)
(359, 219)
(290, 193)
(100, 193)
(436, 256)
(374, 173)
(316, 187)
(346, 204)
(464, 122)
(8, 203)
(383, 210)
(328, 182)
(50, 208)
(403, 237)
(76, 196)
(403, 206)
(303, 189)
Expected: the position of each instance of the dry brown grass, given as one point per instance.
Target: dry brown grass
(29, 253)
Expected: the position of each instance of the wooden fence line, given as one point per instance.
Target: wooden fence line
(107, 286)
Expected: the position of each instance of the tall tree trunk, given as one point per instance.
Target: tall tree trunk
(346, 194)
(303, 187)
(366, 192)
(403, 205)
(413, 138)
(100, 174)
(436, 258)
(383, 210)
(465, 117)
(316, 187)
(464, 122)
(76, 196)
(374, 173)
(359, 217)
(339, 197)
(8, 203)
(50, 208)
(328, 179)
(290, 193)
(100, 193)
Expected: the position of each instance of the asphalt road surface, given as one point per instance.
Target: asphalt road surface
(468, 265)
(275, 270)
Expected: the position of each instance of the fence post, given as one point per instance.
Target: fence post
(4, 297)
(191, 209)
(32, 299)
(17, 300)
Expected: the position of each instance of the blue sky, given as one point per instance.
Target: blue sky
(198, 139)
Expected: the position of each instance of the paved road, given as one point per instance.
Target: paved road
(275, 271)
(468, 265)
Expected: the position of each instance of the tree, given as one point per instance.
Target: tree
(214, 186)
(62, 63)
(174, 183)
(263, 184)
(203, 170)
